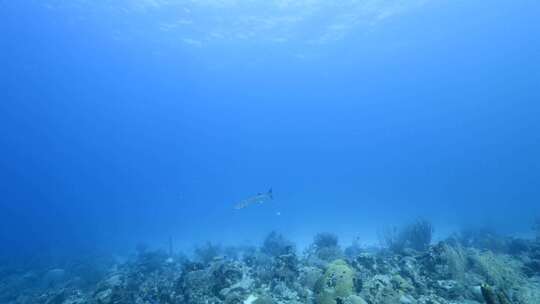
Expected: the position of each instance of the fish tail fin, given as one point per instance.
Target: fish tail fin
(270, 194)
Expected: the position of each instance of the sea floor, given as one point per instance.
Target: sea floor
(468, 268)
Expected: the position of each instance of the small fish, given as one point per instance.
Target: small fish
(257, 199)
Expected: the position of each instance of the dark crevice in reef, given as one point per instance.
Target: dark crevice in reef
(475, 266)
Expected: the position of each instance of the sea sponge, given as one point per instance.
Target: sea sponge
(336, 283)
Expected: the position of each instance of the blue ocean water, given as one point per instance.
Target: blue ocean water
(142, 120)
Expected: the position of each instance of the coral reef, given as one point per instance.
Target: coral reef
(208, 252)
(416, 236)
(449, 272)
(484, 238)
(276, 244)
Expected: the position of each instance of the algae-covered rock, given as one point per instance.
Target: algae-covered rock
(406, 299)
(400, 284)
(309, 276)
(450, 289)
(380, 289)
(263, 299)
(285, 268)
(283, 293)
(337, 283)
(354, 299)
(225, 274)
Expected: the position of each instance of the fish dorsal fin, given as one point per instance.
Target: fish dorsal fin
(270, 194)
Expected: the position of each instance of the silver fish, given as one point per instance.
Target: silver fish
(256, 199)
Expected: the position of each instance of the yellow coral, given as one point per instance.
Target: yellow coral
(337, 282)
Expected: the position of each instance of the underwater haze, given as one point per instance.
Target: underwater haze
(147, 121)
